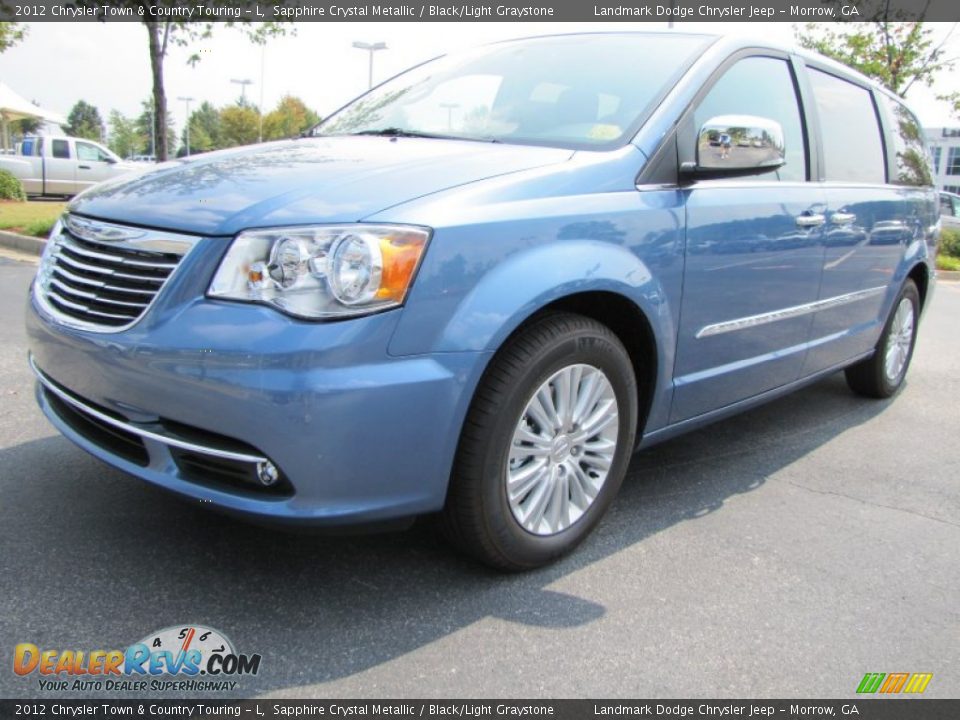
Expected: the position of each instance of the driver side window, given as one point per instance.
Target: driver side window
(761, 86)
(86, 151)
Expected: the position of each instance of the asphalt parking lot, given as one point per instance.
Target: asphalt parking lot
(783, 553)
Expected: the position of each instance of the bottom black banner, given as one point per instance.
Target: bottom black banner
(873, 709)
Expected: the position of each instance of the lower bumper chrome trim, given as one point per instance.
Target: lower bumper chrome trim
(138, 430)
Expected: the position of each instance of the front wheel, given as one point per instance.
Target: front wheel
(881, 375)
(545, 446)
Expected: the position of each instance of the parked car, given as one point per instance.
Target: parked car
(950, 210)
(476, 290)
(63, 165)
(142, 158)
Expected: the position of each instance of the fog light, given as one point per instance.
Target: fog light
(267, 473)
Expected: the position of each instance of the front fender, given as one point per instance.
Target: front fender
(535, 277)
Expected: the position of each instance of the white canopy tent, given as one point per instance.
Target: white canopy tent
(15, 107)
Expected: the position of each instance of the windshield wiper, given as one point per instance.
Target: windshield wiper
(398, 132)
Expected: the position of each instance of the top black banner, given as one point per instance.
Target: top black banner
(501, 10)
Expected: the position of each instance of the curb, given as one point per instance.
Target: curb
(948, 274)
(27, 244)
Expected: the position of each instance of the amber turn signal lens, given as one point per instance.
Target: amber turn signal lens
(401, 254)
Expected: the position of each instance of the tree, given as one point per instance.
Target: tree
(124, 139)
(10, 34)
(145, 124)
(26, 126)
(161, 34)
(240, 125)
(290, 118)
(899, 55)
(84, 121)
(206, 131)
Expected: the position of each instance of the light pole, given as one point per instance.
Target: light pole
(243, 88)
(450, 107)
(187, 100)
(153, 130)
(263, 53)
(370, 48)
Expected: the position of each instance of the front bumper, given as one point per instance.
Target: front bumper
(359, 436)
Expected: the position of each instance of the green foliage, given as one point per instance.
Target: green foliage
(11, 187)
(240, 125)
(290, 118)
(161, 34)
(84, 121)
(144, 124)
(948, 262)
(10, 34)
(952, 99)
(950, 242)
(899, 55)
(30, 218)
(125, 139)
(26, 126)
(38, 228)
(206, 131)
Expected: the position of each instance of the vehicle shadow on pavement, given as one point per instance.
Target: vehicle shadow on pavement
(101, 560)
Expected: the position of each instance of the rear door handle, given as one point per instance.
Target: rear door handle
(842, 218)
(808, 221)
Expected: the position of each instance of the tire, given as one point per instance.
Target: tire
(506, 529)
(882, 374)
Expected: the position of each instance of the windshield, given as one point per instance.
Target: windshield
(574, 91)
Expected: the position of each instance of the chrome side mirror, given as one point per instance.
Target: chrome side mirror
(739, 145)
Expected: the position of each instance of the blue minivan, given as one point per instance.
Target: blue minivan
(476, 290)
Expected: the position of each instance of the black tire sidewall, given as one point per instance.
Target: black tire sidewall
(889, 388)
(591, 347)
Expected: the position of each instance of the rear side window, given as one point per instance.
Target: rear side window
(913, 163)
(764, 87)
(852, 146)
(61, 149)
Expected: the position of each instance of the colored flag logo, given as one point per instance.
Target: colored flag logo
(892, 683)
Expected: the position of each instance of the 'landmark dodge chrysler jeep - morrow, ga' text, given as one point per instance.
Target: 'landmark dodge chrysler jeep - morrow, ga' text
(477, 289)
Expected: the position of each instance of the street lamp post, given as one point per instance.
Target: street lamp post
(450, 107)
(243, 88)
(370, 48)
(153, 130)
(263, 54)
(187, 101)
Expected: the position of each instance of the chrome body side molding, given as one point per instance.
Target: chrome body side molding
(786, 313)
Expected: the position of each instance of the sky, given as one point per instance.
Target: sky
(107, 64)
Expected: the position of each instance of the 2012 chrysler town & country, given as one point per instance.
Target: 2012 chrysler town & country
(476, 290)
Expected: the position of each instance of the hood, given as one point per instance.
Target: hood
(311, 180)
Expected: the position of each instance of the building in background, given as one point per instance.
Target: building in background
(945, 148)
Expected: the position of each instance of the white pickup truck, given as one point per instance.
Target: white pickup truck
(63, 165)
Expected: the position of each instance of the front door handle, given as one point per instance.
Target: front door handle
(83, 167)
(842, 218)
(809, 221)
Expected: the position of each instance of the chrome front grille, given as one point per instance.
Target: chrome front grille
(103, 277)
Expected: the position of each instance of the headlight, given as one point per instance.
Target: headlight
(45, 269)
(322, 271)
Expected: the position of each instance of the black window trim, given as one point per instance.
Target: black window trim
(882, 124)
